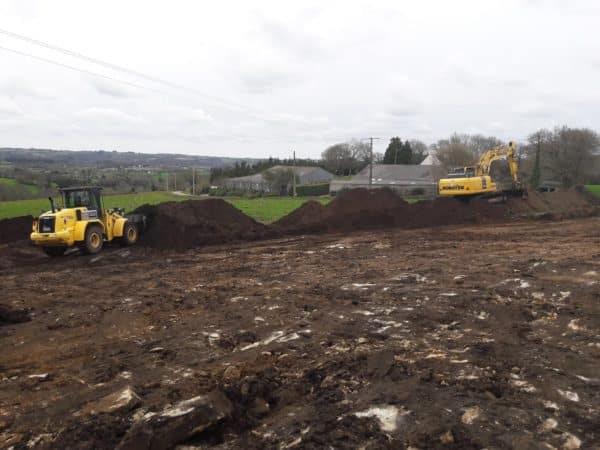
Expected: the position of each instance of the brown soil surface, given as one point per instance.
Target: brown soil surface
(379, 208)
(15, 229)
(181, 225)
(466, 336)
(559, 204)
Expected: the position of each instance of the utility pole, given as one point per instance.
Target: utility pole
(294, 175)
(371, 161)
(167, 181)
(193, 182)
(175, 181)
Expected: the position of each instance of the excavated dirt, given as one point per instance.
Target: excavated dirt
(181, 225)
(468, 336)
(15, 229)
(480, 334)
(364, 209)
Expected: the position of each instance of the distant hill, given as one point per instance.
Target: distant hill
(44, 159)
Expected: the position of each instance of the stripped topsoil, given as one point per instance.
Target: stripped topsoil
(458, 337)
(195, 223)
(15, 229)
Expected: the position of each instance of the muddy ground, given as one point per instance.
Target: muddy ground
(454, 337)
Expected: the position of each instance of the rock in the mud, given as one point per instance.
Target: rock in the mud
(571, 442)
(177, 423)
(470, 415)
(447, 438)
(459, 279)
(232, 373)
(121, 400)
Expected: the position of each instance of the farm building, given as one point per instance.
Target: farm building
(407, 180)
(305, 175)
(431, 159)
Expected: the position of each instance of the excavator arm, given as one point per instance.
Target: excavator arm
(497, 153)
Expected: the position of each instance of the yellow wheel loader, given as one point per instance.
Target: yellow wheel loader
(466, 182)
(83, 221)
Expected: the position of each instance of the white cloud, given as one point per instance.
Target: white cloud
(296, 75)
(9, 108)
(108, 116)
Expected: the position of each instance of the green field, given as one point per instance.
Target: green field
(31, 188)
(270, 209)
(594, 188)
(16, 208)
(262, 209)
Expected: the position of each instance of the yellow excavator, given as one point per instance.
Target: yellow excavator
(83, 221)
(471, 181)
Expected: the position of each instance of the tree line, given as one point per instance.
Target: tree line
(564, 156)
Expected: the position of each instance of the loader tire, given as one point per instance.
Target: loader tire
(130, 234)
(93, 240)
(54, 251)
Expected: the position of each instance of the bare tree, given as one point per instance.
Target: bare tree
(360, 151)
(454, 152)
(569, 155)
(419, 151)
(480, 143)
(346, 158)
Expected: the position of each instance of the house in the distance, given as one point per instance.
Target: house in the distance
(305, 175)
(407, 180)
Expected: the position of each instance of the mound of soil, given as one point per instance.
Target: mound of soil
(364, 209)
(192, 223)
(558, 204)
(15, 229)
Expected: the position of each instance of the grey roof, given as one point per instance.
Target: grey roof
(383, 173)
(300, 171)
(256, 178)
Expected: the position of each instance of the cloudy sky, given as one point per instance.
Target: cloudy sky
(254, 79)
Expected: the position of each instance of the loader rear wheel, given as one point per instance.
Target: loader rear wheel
(93, 240)
(55, 251)
(130, 234)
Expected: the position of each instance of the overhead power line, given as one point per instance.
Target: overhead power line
(223, 102)
(87, 72)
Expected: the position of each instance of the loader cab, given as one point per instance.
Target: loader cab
(89, 197)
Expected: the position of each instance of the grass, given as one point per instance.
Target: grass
(8, 181)
(270, 209)
(594, 189)
(31, 188)
(15, 208)
(262, 209)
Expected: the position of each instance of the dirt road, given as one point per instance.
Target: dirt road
(457, 337)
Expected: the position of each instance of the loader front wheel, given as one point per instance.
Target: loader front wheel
(93, 240)
(130, 234)
(55, 251)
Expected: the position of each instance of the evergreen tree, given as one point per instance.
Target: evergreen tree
(398, 152)
(405, 155)
(391, 153)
